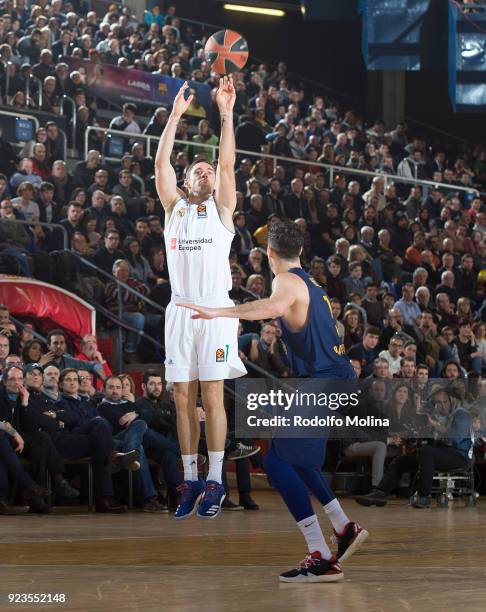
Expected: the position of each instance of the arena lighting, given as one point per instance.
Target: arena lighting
(254, 9)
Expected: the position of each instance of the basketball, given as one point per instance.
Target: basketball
(226, 51)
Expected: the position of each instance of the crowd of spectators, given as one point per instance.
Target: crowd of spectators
(402, 261)
(56, 408)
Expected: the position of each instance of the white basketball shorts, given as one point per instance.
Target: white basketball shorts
(198, 348)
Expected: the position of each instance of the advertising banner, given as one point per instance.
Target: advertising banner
(120, 85)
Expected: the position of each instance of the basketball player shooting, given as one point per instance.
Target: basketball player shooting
(314, 350)
(198, 235)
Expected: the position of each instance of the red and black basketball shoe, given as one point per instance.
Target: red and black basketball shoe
(314, 569)
(350, 541)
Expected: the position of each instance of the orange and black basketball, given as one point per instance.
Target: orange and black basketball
(226, 51)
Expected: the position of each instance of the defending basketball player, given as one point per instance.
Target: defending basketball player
(198, 235)
(294, 465)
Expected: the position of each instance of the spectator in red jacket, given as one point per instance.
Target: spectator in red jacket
(89, 352)
(39, 162)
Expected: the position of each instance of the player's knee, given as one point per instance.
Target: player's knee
(213, 408)
(184, 397)
(212, 393)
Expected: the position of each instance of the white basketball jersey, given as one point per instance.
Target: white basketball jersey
(198, 246)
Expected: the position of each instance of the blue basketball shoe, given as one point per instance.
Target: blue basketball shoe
(191, 492)
(210, 504)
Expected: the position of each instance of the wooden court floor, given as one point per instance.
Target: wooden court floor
(415, 560)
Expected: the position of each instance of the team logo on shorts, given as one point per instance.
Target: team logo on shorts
(202, 213)
(173, 244)
(220, 355)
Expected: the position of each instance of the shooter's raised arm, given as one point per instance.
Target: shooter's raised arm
(225, 187)
(165, 177)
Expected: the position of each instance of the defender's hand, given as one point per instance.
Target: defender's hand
(201, 311)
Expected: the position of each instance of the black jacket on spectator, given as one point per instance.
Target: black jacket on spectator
(105, 260)
(62, 190)
(255, 219)
(49, 103)
(375, 312)
(54, 149)
(59, 50)
(335, 288)
(84, 176)
(8, 158)
(158, 415)
(35, 418)
(100, 215)
(344, 266)
(41, 71)
(83, 407)
(336, 194)
(387, 334)
(241, 177)
(467, 282)
(366, 358)
(241, 295)
(55, 211)
(271, 363)
(26, 46)
(94, 187)
(123, 224)
(370, 248)
(274, 205)
(464, 350)
(295, 207)
(154, 128)
(11, 410)
(157, 240)
(281, 146)
(70, 228)
(135, 203)
(113, 411)
(453, 294)
(433, 278)
(249, 136)
(400, 239)
(447, 319)
(389, 266)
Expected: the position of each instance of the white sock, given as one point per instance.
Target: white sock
(195, 475)
(190, 466)
(336, 515)
(312, 532)
(215, 465)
